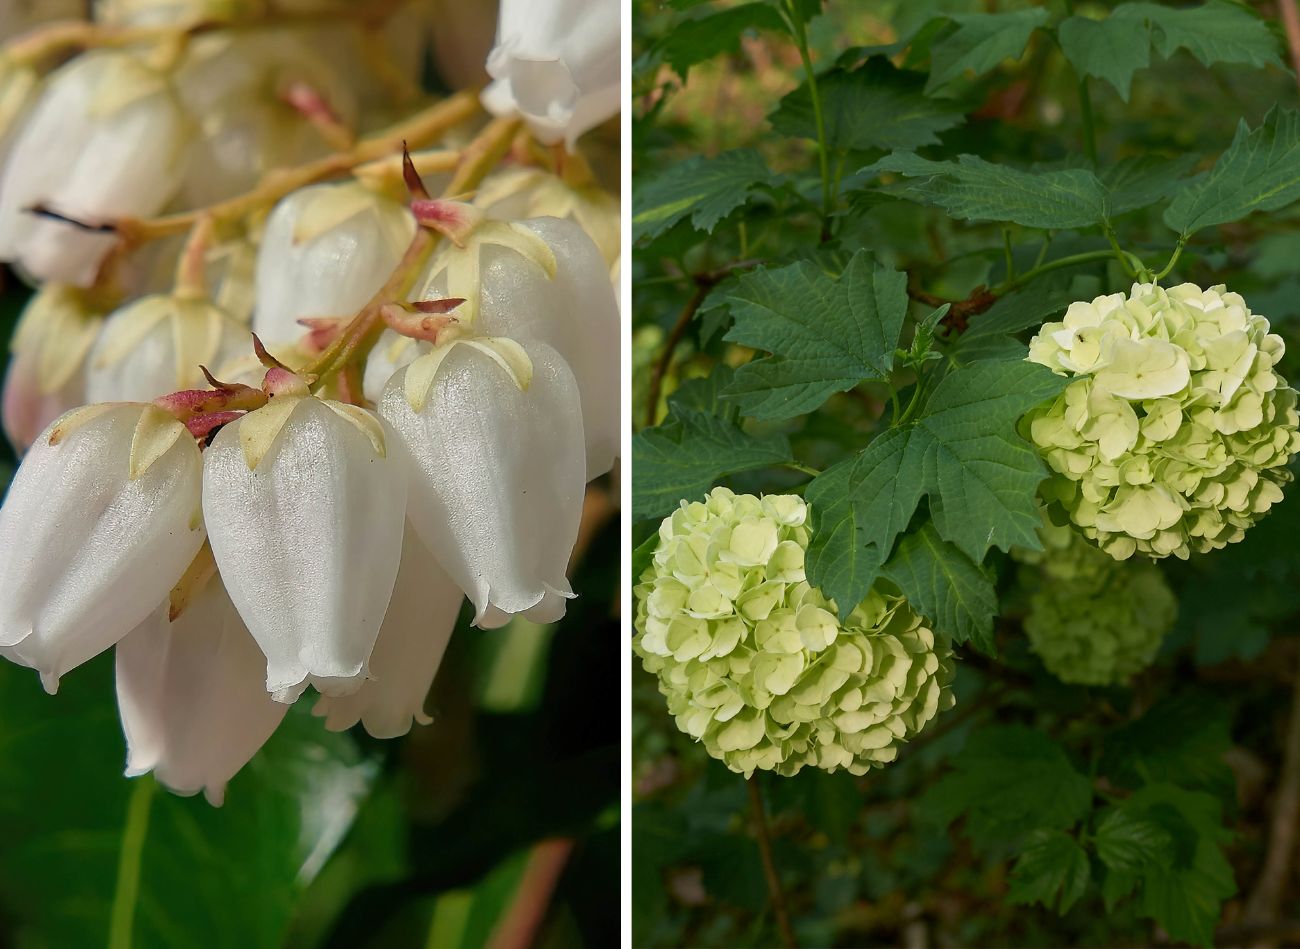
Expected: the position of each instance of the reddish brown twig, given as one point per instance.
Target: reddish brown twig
(518, 929)
(1291, 24)
(776, 895)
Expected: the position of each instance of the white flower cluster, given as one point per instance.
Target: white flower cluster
(1175, 432)
(245, 521)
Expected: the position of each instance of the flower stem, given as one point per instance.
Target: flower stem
(802, 468)
(819, 119)
(121, 925)
(775, 894)
(1085, 107)
(1178, 252)
(1060, 263)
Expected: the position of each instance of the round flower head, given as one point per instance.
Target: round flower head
(1093, 620)
(1175, 434)
(757, 664)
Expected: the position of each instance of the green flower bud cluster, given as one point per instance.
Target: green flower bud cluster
(757, 664)
(1093, 620)
(1175, 435)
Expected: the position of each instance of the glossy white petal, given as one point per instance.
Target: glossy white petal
(390, 354)
(87, 551)
(416, 630)
(307, 542)
(496, 478)
(325, 252)
(575, 313)
(556, 63)
(104, 140)
(191, 696)
(156, 345)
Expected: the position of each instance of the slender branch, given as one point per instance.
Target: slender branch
(1291, 24)
(1178, 251)
(1085, 107)
(1264, 901)
(121, 925)
(801, 468)
(819, 120)
(775, 894)
(1073, 260)
(420, 129)
(660, 368)
(518, 928)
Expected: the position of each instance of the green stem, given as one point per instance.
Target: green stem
(802, 469)
(1120, 254)
(1085, 107)
(122, 921)
(1178, 252)
(1058, 264)
(819, 119)
(1006, 247)
(911, 405)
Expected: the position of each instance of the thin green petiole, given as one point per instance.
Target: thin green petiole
(819, 119)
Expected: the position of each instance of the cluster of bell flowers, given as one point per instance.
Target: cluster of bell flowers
(1092, 619)
(759, 666)
(1175, 431)
(242, 543)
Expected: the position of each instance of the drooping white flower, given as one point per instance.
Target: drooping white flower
(106, 139)
(102, 519)
(47, 372)
(156, 345)
(556, 63)
(192, 697)
(493, 441)
(417, 627)
(305, 506)
(253, 96)
(565, 301)
(325, 252)
(515, 194)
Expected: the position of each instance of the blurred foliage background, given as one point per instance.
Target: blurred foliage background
(880, 859)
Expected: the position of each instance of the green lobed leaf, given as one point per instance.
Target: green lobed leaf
(685, 456)
(1180, 740)
(1111, 49)
(876, 105)
(1008, 781)
(1214, 32)
(990, 334)
(1052, 870)
(943, 585)
(981, 42)
(698, 40)
(972, 189)
(1260, 171)
(1143, 180)
(825, 334)
(1128, 840)
(963, 452)
(705, 190)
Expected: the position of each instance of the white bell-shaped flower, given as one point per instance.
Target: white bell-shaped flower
(325, 252)
(106, 139)
(156, 345)
(257, 98)
(572, 309)
(518, 193)
(556, 63)
(102, 519)
(492, 432)
(192, 697)
(47, 372)
(305, 507)
(420, 619)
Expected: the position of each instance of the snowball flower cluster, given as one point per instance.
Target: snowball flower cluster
(1174, 434)
(759, 666)
(1093, 620)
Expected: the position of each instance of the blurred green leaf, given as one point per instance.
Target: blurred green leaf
(693, 41)
(1051, 865)
(705, 190)
(981, 42)
(1214, 32)
(1110, 49)
(945, 587)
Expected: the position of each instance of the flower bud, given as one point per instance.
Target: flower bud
(47, 373)
(106, 139)
(326, 251)
(155, 345)
(1093, 620)
(759, 666)
(417, 627)
(191, 696)
(1175, 433)
(496, 468)
(305, 505)
(556, 63)
(100, 522)
(572, 309)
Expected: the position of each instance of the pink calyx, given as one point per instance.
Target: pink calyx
(202, 426)
(321, 332)
(285, 382)
(188, 404)
(428, 320)
(454, 220)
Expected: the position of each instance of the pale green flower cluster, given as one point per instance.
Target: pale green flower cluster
(1175, 435)
(756, 663)
(1094, 620)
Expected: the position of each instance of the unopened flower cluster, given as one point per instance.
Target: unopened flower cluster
(759, 666)
(1093, 620)
(244, 523)
(1175, 433)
